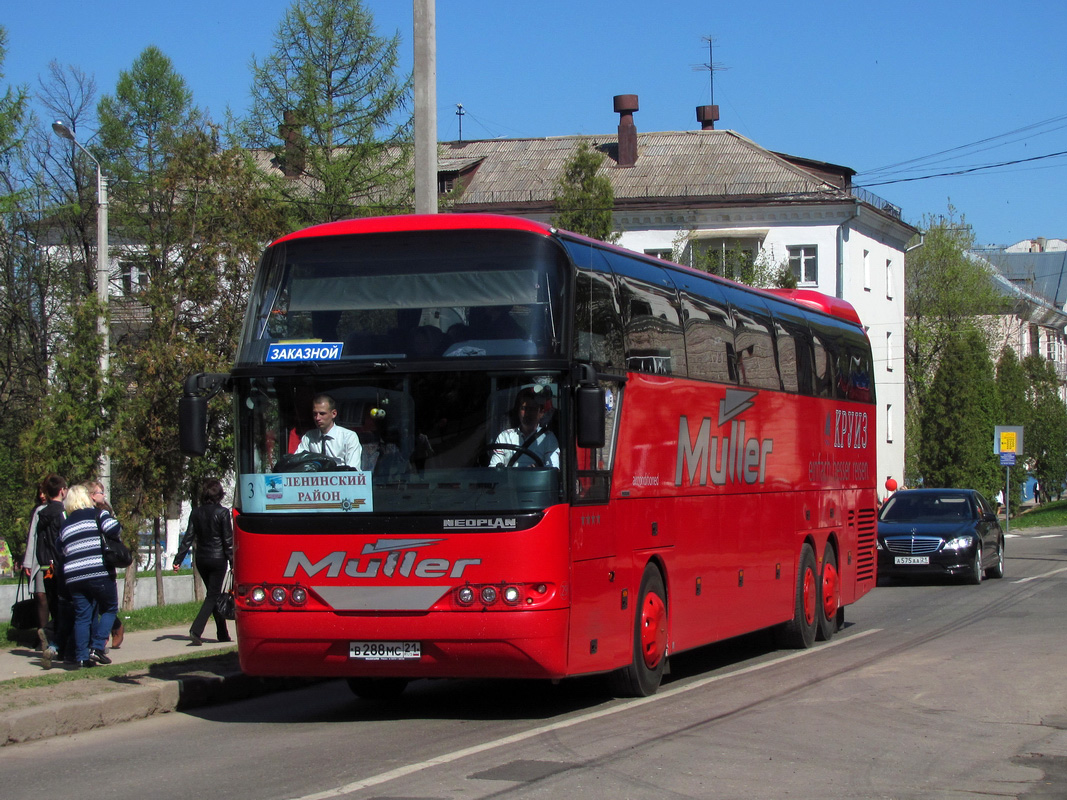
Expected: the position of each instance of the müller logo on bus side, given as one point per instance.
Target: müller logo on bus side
(718, 459)
(390, 558)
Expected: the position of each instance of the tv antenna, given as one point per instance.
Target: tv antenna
(712, 67)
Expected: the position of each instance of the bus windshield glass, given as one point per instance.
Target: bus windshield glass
(411, 296)
(453, 442)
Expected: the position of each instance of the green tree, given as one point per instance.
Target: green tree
(1013, 409)
(1045, 437)
(947, 293)
(959, 417)
(196, 217)
(584, 198)
(328, 105)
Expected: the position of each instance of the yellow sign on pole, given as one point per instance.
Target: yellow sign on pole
(1007, 441)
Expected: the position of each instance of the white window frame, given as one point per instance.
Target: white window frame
(801, 257)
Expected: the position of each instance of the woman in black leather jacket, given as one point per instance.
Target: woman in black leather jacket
(210, 535)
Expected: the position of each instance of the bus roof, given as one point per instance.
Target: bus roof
(420, 222)
(403, 223)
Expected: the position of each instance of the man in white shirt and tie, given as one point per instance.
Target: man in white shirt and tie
(330, 439)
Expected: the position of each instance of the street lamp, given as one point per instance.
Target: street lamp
(103, 273)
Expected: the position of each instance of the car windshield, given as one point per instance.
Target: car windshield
(926, 507)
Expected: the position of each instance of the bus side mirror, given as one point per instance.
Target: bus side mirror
(591, 416)
(192, 425)
(199, 387)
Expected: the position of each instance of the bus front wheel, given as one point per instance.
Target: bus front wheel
(799, 632)
(644, 673)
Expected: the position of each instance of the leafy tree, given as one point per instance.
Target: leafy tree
(735, 263)
(1046, 427)
(328, 105)
(959, 417)
(584, 198)
(1013, 408)
(947, 294)
(196, 217)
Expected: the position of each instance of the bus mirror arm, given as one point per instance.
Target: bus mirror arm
(199, 387)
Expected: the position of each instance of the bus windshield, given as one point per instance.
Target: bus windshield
(423, 295)
(452, 442)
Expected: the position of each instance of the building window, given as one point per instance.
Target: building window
(866, 270)
(889, 278)
(889, 422)
(889, 351)
(134, 279)
(803, 261)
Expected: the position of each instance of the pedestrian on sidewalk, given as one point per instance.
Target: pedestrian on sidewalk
(49, 575)
(210, 535)
(118, 629)
(88, 577)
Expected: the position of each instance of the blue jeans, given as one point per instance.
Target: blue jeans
(100, 595)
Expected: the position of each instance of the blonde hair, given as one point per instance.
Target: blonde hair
(79, 497)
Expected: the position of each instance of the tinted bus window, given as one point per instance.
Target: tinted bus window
(753, 340)
(709, 331)
(409, 295)
(793, 345)
(651, 319)
(597, 323)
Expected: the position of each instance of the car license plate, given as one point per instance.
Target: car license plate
(911, 560)
(385, 651)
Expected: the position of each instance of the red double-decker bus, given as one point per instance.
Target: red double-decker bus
(572, 459)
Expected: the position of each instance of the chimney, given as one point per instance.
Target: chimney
(707, 116)
(626, 105)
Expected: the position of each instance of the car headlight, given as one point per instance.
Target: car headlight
(960, 543)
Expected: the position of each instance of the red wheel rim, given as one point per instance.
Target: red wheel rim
(830, 590)
(810, 602)
(653, 629)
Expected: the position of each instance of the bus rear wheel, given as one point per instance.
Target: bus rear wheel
(377, 689)
(829, 596)
(799, 632)
(645, 672)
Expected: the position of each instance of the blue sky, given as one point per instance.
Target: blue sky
(864, 85)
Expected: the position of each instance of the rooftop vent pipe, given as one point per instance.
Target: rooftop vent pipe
(625, 106)
(707, 116)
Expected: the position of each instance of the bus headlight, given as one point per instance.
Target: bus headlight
(299, 596)
(465, 595)
(488, 595)
(512, 595)
(257, 596)
(278, 595)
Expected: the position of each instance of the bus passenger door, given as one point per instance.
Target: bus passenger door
(600, 637)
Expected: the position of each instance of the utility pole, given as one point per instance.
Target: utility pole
(425, 107)
(459, 113)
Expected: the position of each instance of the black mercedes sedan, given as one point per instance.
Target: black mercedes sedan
(929, 532)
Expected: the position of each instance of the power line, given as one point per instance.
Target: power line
(965, 171)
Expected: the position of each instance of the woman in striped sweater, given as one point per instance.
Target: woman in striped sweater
(89, 580)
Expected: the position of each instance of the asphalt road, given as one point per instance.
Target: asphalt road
(933, 690)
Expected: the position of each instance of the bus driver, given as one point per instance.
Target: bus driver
(328, 438)
(529, 433)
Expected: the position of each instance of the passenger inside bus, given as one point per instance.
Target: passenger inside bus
(528, 443)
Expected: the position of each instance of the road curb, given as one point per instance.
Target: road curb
(147, 698)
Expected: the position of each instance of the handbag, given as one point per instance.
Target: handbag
(116, 553)
(24, 609)
(225, 603)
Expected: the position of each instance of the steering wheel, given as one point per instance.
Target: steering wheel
(519, 451)
(307, 462)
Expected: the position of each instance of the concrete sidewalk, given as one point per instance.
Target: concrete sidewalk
(167, 684)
